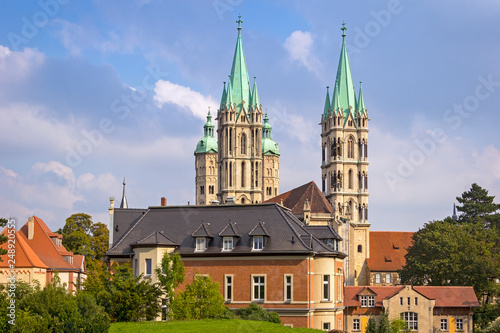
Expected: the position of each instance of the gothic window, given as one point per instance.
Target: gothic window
(323, 153)
(323, 185)
(256, 175)
(242, 174)
(243, 144)
(366, 150)
(350, 179)
(230, 140)
(366, 182)
(350, 148)
(202, 189)
(230, 173)
(360, 248)
(339, 180)
(339, 148)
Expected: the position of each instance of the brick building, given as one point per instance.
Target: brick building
(258, 253)
(424, 308)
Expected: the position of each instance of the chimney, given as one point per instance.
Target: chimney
(163, 201)
(31, 227)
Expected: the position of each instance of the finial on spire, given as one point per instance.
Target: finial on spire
(239, 21)
(343, 29)
(124, 203)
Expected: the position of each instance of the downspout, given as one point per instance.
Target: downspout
(309, 298)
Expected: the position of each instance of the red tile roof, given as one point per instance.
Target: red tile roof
(445, 296)
(388, 250)
(24, 255)
(44, 247)
(295, 199)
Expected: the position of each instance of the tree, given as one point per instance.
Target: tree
(372, 326)
(398, 326)
(256, 312)
(460, 253)
(200, 300)
(3, 238)
(170, 274)
(383, 325)
(124, 296)
(82, 236)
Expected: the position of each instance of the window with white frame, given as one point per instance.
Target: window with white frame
(227, 243)
(326, 287)
(201, 243)
(371, 301)
(288, 288)
(326, 327)
(367, 301)
(459, 324)
(148, 267)
(377, 278)
(387, 278)
(411, 319)
(228, 289)
(259, 288)
(364, 301)
(444, 324)
(258, 242)
(356, 325)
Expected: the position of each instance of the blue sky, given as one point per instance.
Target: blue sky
(92, 91)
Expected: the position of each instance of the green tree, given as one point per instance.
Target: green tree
(383, 325)
(477, 207)
(82, 236)
(124, 296)
(170, 274)
(3, 238)
(256, 312)
(398, 326)
(372, 326)
(200, 300)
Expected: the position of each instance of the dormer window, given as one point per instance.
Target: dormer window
(367, 301)
(227, 244)
(201, 243)
(258, 242)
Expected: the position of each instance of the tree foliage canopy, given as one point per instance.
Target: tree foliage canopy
(82, 236)
(3, 238)
(458, 253)
(170, 274)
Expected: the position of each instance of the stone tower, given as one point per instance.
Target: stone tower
(206, 165)
(271, 162)
(344, 166)
(240, 138)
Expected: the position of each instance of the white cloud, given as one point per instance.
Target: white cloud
(299, 45)
(167, 92)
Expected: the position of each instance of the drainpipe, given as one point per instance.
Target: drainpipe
(309, 298)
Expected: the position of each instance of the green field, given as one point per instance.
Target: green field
(207, 325)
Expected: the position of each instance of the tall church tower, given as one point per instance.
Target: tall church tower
(206, 165)
(240, 137)
(271, 164)
(344, 166)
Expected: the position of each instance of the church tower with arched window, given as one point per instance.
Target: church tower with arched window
(206, 165)
(242, 162)
(344, 166)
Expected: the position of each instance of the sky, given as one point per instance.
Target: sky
(94, 91)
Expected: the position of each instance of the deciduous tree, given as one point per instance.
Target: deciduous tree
(82, 236)
(170, 274)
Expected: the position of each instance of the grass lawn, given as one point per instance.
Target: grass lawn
(207, 325)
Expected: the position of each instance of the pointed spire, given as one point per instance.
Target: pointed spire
(240, 83)
(255, 94)
(454, 216)
(229, 95)
(269, 147)
(335, 100)
(124, 203)
(207, 144)
(361, 100)
(326, 111)
(345, 87)
(224, 96)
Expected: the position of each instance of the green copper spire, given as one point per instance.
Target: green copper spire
(239, 81)
(326, 111)
(335, 100)
(361, 101)
(344, 87)
(207, 144)
(269, 147)
(255, 94)
(229, 94)
(224, 96)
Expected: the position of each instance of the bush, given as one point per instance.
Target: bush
(227, 314)
(493, 327)
(256, 312)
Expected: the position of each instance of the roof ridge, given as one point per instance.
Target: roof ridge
(129, 230)
(293, 229)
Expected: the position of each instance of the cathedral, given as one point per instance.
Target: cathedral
(241, 164)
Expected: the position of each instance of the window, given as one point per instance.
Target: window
(202, 189)
(416, 300)
(371, 301)
(326, 327)
(228, 288)
(360, 248)
(401, 301)
(411, 319)
(459, 323)
(409, 301)
(148, 267)
(356, 325)
(259, 286)
(326, 287)
(201, 244)
(258, 242)
(368, 301)
(288, 288)
(377, 278)
(388, 278)
(444, 324)
(243, 142)
(227, 244)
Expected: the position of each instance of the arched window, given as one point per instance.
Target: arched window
(243, 144)
(242, 200)
(350, 179)
(360, 248)
(339, 148)
(230, 173)
(350, 148)
(242, 174)
(230, 140)
(323, 153)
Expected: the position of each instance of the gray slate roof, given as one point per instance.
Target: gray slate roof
(286, 234)
(155, 238)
